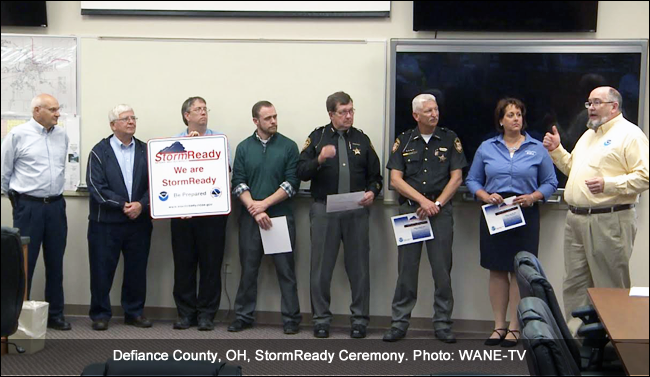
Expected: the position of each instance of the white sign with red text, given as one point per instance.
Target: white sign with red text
(188, 176)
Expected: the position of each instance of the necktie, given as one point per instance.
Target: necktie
(344, 166)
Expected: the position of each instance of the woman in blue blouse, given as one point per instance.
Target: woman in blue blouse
(510, 164)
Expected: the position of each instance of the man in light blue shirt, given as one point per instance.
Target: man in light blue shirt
(33, 175)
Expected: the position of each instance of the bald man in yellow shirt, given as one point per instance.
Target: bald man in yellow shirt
(607, 171)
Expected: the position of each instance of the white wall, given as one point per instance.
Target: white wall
(616, 20)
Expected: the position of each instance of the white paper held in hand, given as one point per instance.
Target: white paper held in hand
(276, 240)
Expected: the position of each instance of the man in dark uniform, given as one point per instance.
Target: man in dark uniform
(339, 158)
(426, 169)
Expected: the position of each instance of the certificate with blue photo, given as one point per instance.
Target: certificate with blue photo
(504, 216)
(409, 228)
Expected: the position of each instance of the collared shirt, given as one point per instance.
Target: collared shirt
(262, 168)
(616, 151)
(125, 155)
(285, 185)
(33, 160)
(209, 132)
(530, 169)
(427, 167)
(364, 165)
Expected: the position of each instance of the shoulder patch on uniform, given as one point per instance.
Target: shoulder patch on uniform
(396, 145)
(307, 144)
(458, 145)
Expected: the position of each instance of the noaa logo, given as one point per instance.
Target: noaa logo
(607, 143)
(163, 196)
(216, 192)
(401, 239)
(494, 228)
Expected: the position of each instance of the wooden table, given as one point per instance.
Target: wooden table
(626, 321)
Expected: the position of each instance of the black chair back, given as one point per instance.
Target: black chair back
(533, 283)
(161, 368)
(13, 280)
(545, 354)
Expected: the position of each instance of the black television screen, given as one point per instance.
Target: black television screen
(537, 16)
(552, 78)
(24, 13)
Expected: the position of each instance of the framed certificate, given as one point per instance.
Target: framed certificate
(188, 176)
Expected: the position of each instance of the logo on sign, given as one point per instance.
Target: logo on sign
(216, 192)
(608, 142)
(163, 196)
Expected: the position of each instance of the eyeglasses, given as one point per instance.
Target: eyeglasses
(126, 119)
(199, 110)
(596, 103)
(345, 112)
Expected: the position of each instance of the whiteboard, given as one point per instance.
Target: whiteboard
(36, 64)
(155, 76)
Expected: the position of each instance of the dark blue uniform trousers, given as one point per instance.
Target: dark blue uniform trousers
(105, 242)
(45, 223)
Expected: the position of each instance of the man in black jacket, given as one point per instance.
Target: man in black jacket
(119, 220)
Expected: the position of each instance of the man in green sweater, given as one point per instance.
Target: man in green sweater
(264, 176)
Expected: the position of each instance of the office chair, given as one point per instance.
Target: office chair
(13, 282)
(161, 368)
(533, 283)
(547, 354)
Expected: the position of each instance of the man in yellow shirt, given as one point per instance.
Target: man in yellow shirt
(607, 171)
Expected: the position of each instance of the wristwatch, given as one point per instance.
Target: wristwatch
(438, 204)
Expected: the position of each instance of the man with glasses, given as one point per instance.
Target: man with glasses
(339, 158)
(426, 168)
(119, 220)
(197, 242)
(33, 175)
(264, 178)
(607, 170)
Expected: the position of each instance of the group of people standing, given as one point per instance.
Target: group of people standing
(607, 171)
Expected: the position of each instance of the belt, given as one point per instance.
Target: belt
(46, 200)
(590, 211)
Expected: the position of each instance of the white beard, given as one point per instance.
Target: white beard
(594, 124)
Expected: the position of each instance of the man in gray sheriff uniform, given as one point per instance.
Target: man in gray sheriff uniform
(339, 158)
(426, 169)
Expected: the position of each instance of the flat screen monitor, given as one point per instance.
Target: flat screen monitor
(519, 16)
(552, 78)
(23, 13)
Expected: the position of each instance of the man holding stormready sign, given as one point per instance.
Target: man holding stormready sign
(189, 182)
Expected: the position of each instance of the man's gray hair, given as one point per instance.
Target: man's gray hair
(420, 99)
(615, 96)
(115, 112)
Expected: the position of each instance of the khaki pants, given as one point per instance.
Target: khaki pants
(597, 251)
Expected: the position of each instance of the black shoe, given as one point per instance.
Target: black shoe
(510, 343)
(394, 334)
(322, 331)
(358, 331)
(58, 324)
(445, 335)
(291, 328)
(184, 323)
(239, 325)
(496, 341)
(206, 324)
(100, 324)
(139, 321)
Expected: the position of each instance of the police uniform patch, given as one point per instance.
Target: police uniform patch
(396, 145)
(458, 145)
(307, 144)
